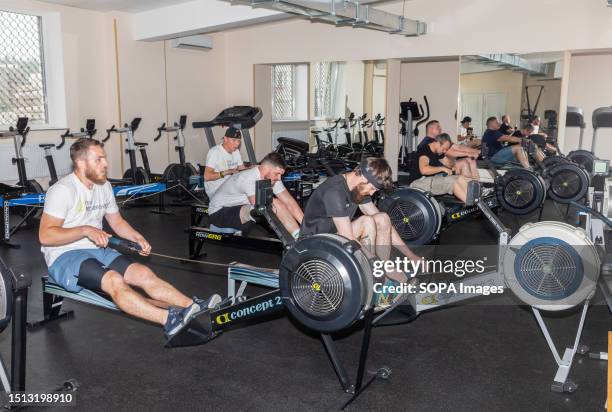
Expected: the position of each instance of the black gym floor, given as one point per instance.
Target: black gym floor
(472, 357)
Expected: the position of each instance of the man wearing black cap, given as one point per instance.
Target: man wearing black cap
(333, 204)
(222, 161)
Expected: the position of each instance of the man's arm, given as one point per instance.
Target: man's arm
(459, 150)
(211, 174)
(291, 204)
(51, 233)
(510, 139)
(427, 170)
(122, 228)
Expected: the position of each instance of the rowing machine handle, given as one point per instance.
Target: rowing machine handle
(115, 242)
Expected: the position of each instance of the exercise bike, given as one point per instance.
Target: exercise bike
(410, 112)
(19, 134)
(183, 171)
(89, 131)
(135, 174)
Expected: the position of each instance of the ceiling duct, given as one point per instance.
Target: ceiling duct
(512, 62)
(344, 13)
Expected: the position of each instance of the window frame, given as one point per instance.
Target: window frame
(53, 68)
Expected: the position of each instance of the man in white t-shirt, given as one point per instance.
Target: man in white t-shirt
(222, 161)
(463, 130)
(231, 205)
(76, 252)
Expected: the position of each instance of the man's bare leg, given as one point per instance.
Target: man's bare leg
(130, 301)
(141, 276)
(467, 167)
(384, 243)
(460, 188)
(364, 229)
(284, 215)
(383, 235)
(519, 153)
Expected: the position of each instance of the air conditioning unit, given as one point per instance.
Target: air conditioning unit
(197, 42)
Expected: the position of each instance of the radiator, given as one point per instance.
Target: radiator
(36, 165)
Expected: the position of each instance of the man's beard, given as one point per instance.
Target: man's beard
(357, 194)
(94, 177)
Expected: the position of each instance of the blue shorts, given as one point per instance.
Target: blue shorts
(503, 156)
(66, 269)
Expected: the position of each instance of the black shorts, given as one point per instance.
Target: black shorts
(229, 217)
(92, 271)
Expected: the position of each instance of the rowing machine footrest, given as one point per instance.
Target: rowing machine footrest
(197, 332)
(226, 230)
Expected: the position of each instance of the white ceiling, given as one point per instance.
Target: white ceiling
(131, 6)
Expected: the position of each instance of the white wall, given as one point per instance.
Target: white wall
(439, 81)
(499, 81)
(354, 80)
(589, 88)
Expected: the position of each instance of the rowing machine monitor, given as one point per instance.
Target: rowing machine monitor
(263, 194)
(601, 167)
(263, 207)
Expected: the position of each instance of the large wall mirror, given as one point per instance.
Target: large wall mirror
(511, 87)
(329, 102)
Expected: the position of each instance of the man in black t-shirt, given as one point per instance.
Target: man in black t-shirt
(461, 158)
(332, 206)
(543, 147)
(497, 153)
(506, 127)
(433, 171)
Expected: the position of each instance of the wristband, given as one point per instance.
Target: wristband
(221, 175)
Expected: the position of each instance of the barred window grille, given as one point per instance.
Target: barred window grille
(22, 84)
(325, 83)
(283, 91)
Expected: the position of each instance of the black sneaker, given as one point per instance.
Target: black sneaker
(175, 321)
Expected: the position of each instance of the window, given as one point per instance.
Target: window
(290, 92)
(284, 91)
(325, 86)
(22, 80)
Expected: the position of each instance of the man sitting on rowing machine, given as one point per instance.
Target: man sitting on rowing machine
(497, 153)
(76, 252)
(231, 205)
(333, 204)
(222, 161)
(461, 158)
(433, 172)
(543, 147)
